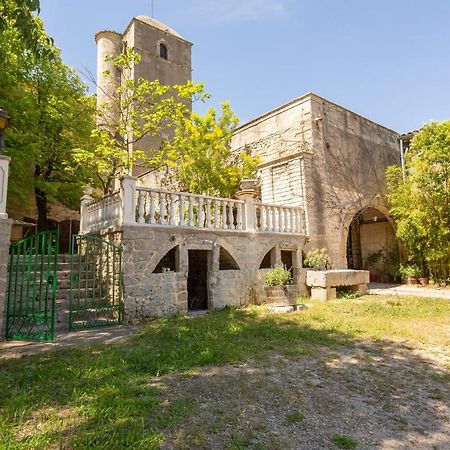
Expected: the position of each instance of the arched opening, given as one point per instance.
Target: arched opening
(163, 52)
(269, 259)
(169, 262)
(371, 245)
(226, 261)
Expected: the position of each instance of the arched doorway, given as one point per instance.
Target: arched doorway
(371, 245)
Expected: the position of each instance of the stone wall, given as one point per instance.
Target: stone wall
(5, 229)
(149, 294)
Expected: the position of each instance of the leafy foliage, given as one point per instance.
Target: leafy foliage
(137, 109)
(317, 259)
(50, 114)
(420, 202)
(201, 158)
(409, 270)
(151, 125)
(278, 276)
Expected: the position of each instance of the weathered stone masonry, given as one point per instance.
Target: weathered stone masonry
(149, 294)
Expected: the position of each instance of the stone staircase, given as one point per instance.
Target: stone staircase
(86, 289)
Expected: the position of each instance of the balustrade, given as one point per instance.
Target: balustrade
(156, 206)
(181, 209)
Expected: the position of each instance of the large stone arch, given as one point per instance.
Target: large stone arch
(380, 240)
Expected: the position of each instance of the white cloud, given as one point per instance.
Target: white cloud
(239, 10)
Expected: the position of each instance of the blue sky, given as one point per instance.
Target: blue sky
(388, 60)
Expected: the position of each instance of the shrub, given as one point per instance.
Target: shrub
(278, 276)
(317, 259)
(409, 270)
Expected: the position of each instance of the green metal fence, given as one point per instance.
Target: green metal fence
(95, 283)
(32, 269)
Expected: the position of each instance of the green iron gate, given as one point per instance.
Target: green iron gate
(30, 313)
(95, 283)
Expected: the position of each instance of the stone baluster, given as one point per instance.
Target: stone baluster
(231, 216)
(173, 198)
(286, 219)
(216, 214)
(201, 213)
(239, 207)
(141, 213)
(280, 219)
(162, 208)
(292, 219)
(181, 211)
(262, 218)
(224, 214)
(208, 212)
(191, 211)
(152, 208)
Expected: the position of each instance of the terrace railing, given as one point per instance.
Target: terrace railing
(133, 204)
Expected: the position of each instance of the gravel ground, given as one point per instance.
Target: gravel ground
(382, 395)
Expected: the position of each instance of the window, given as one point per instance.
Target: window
(163, 51)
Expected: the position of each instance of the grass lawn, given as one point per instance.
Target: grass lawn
(101, 396)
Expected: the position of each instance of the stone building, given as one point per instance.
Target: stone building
(332, 162)
(321, 182)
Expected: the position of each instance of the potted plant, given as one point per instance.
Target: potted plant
(317, 259)
(278, 286)
(409, 273)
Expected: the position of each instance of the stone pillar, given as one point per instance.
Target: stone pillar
(84, 217)
(248, 193)
(128, 198)
(5, 233)
(4, 168)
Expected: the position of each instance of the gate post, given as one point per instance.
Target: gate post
(5, 233)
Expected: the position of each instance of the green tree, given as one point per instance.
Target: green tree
(50, 115)
(200, 155)
(194, 148)
(137, 109)
(420, 201)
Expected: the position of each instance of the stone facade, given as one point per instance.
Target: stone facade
(149, 294)
(5, 230)
(324, 158)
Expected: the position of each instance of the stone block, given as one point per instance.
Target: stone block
(323, 294)
(333, 278)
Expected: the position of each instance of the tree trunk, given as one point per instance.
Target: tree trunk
(42, 209)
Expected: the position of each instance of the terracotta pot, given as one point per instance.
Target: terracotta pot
(411, 280)
(373, 277)
(423, 281)
(281, 295)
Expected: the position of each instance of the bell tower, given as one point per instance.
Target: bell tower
(165, 56)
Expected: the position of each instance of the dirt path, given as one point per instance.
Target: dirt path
(382, 395)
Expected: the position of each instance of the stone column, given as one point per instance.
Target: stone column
(128, 198)
(248, 193)
(5, 233)
(84, 217)
(4, 168)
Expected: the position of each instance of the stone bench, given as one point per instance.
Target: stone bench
(323, 283)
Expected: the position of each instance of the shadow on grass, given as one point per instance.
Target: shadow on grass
(100, 396)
